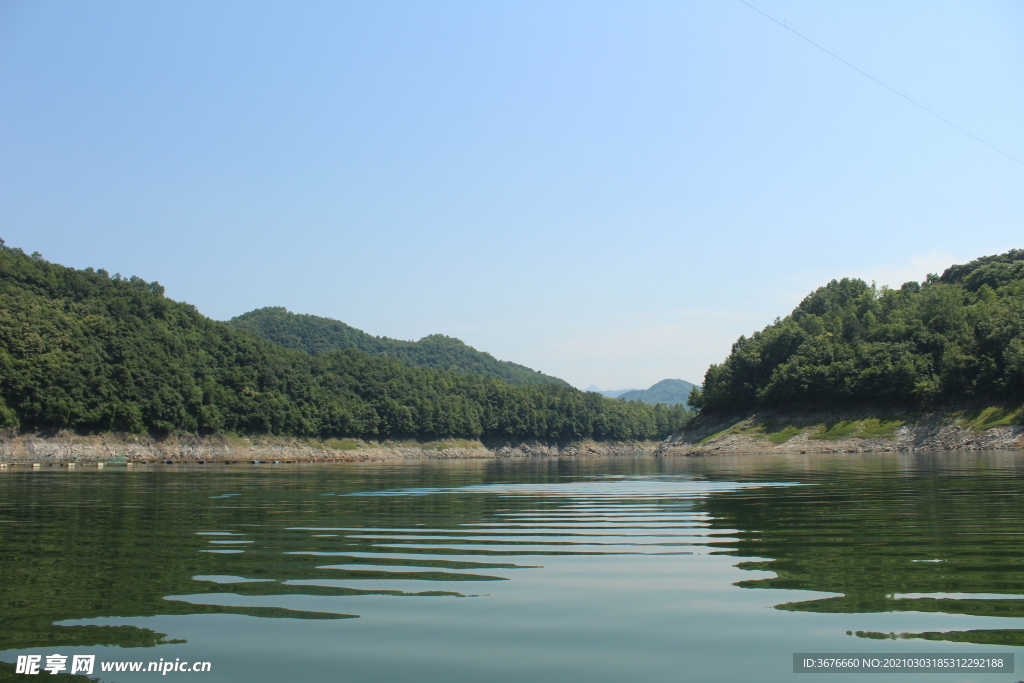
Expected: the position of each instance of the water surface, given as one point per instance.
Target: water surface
(585, 569)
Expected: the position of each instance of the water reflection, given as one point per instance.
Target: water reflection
(941, 533)
(928, 534)
(85, 545)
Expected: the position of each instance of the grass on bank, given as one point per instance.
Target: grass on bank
(451, 443)
(779, 431)
(236, 440)
(871, 428)
(769, 430)
(782, 434)
(994, 416)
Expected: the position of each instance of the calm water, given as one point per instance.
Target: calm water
(589, 570)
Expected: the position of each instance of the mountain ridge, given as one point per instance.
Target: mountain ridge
(314, 334)
(610, 393)
(670, 392)
(91, 353)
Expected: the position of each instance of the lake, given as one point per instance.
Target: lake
(583, 569)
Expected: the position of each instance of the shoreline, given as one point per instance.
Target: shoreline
(763, 432)
(66, 448)
(991, 428)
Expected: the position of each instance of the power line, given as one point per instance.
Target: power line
(884, 85)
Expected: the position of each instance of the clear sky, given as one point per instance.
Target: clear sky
(609, 192)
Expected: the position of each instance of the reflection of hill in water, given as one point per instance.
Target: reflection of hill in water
(891, 539)
(89, 544)
(129, 544)
(886, 533)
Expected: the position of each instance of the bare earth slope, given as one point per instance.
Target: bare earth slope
(68, 448)
(850, 432)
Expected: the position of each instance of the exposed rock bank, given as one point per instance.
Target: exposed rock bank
(993, 428)
(106, 448)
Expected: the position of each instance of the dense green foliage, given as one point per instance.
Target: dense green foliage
(955, 338)
(314, 334)
(670, 392)
(85, 351)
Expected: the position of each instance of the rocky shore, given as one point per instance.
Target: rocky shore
(66, 448)
(764, 432)
(993, 428)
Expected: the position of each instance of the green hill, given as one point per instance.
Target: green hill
(952, 339)
(313, 334)
(84, 351)
(670, 392)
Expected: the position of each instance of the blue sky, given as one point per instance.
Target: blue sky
(610, 192)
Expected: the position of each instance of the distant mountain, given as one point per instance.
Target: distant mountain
(668, 391)
(611, 393)
(314, 335)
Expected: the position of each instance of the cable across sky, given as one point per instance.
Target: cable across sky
(881, 83)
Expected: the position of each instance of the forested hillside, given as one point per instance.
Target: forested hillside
(314, 334)
(670, 392)
(954, 338)
(85, 351)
